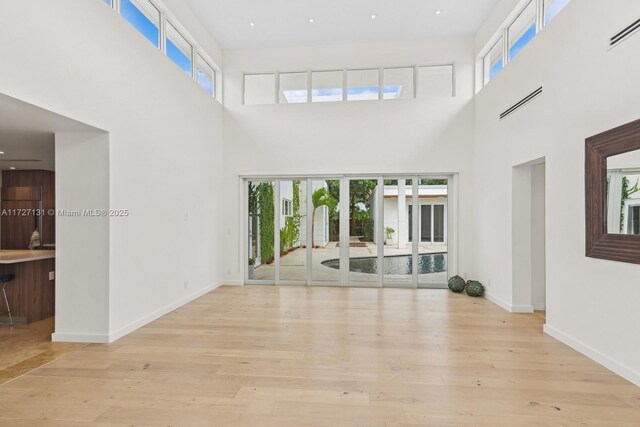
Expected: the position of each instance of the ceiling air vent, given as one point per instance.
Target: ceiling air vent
(521, 103)
(624, 34)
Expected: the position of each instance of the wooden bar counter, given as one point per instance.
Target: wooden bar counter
(31, 294)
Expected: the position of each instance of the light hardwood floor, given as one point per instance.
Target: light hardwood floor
(267, 356)
(26, 347)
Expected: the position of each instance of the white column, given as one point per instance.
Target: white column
(402, 232)
(614, 202)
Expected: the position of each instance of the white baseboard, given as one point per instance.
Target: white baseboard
(510, 308)
(620, 369)
(522, 309)
(106, 339)
(497, 301)
(80, 338)
(157, 314)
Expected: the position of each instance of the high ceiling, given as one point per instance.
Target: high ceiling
(27, 134)
(282, 23)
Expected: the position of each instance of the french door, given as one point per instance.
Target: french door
(347, 231)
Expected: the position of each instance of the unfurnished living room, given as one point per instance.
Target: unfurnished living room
(320, 213)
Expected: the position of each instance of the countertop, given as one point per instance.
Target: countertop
(9, 256)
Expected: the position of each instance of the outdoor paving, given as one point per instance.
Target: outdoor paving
(293, 266)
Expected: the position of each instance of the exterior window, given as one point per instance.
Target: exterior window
(178, 49)
(435, 81)
(109, 3)
(326, 86)
(363, 85)
(522, 30)
(205, 75)
(287, 207)
(293, 88)
(552, 8)
(398, 83)
(633, 220)
(492, 62)
(259, 89)
(144, 17)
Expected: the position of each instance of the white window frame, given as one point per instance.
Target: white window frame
(287, 207)
(633, 204)
(196, 48)
(416, 78)
(345, 85)
(503, 31)
(275, 75)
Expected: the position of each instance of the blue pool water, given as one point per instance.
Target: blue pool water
(398, 264)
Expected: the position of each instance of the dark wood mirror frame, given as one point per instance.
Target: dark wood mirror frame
(600, 244)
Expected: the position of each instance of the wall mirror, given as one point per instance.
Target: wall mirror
(612, 194)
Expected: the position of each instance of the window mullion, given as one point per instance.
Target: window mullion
(345, 85)
(505, 46)
(163, 32)
(539, 15)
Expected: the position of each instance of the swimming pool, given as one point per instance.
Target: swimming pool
(397, 264)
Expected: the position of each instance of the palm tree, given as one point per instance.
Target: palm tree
(320, 197)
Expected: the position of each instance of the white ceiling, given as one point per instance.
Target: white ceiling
(282, 23)
(27, 134)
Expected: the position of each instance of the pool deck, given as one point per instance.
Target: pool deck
(292, 266)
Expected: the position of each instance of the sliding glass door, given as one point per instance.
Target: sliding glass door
(292, 260)
(363, 239)
(397, 206)
(261, 236)
(324, 231)
(387, 231)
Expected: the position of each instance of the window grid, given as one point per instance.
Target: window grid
(542, 19)
(196, 54)
(341, 89)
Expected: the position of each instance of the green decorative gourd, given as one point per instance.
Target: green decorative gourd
(457, 284)
(475, 288)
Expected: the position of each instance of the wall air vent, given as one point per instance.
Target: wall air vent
(624, 34)
(521, 103)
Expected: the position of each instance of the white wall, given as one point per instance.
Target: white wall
(82, 242)
(587, 89)
(80, 59)
(538, 238)
(396, 136)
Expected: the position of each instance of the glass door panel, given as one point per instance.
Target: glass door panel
(425, 223)
(432, 249)
(324, 231)
(363, 238)
(261, 231)
(293, 256)
(398, 250)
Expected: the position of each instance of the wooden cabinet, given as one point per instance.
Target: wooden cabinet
(27, 190)
(31, 295)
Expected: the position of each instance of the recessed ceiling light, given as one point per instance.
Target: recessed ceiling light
(12, 168)
(1, 152)
(252, 24)
(312, 21)
(438, 11)
(373, 17)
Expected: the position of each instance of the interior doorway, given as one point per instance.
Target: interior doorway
(41, 161)
(529, 237)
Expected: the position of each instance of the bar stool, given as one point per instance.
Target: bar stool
(4, 279)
